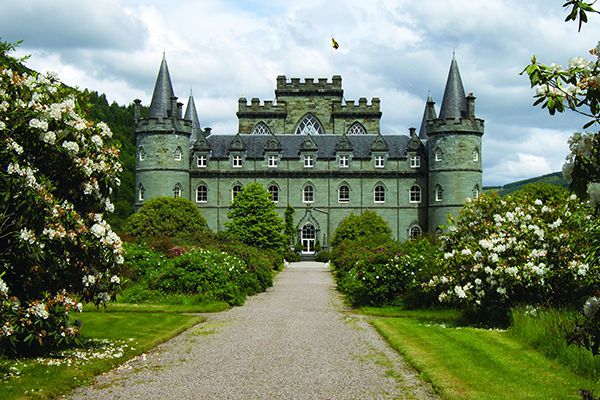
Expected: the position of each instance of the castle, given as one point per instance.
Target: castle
(315, 151)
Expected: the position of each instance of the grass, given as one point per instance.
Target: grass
(116, 336)
(470, 363)
(205, 307)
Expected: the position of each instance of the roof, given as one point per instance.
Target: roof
(163, 92)
(454, 103)
(291, 145)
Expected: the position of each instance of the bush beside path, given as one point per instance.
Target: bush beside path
(294, 341)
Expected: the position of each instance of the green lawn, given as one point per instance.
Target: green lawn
(205, 307)
(469, 363)
(111, 338)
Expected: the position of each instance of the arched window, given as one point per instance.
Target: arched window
(141, 192)
(356, 129)
(261, 129)
(202, 194)
(415, 231)
(235, 190)
(308, 194)
(177, 191)
(178, 154)
(475, 155)
(142, 153)
(274, 191)
(439, 193)
(415, 194)
(344, 194)
(476, 192)
(309, 236)
(439, 155)
(309, 125)
(379, 193)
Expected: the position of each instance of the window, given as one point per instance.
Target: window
(201, 161)
(309, 125)
(415, 194)
(439, 193)
(177, 191)
(274, 191)
(261, 129)
(415, 232)
(379, 194)
(356, 129)
(344, 194)
(201, 194)
(343, 161)
(272, 161)
(379, 161)
(415, 161)
(475, 155)
(142, 154)
(235, 190)
(476, 192)
(141, 192)
(308, 194)
(178, 154)
(309, 161)
(438, 154)
(309, 237)
(236, 161)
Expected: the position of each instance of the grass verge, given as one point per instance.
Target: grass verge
(470, 363)
(205, 307)
(110, 339)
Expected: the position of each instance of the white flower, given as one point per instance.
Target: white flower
(555, 224)
(17, 148)
(97, 140)
(2, 126)
(583, 269)
(590, 308)
(494, 257)
(98, 230)
(460, 292)
(48, 137)
(477, 281)
(39, 310)
(466, 252)
(538, 202)
(486, 244)
(593, 190)
(40, 124)
(501, 290)
(71, 146)
(89, 280)
(117, 280)
(3, 287)
(27, 235)
(512, 271)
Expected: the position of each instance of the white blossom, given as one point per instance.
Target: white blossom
(3, 288)
(40, 124)
(590, 308)
(72, 147)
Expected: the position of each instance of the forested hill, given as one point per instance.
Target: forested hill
(555, 178)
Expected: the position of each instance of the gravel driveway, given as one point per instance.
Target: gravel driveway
(296, 341)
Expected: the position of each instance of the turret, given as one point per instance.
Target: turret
(192, 115)
(454, 151)
(428, 115)
(162, 144)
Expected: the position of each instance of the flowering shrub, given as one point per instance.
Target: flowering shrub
(503, 252)
(57, 172)
(587, 333)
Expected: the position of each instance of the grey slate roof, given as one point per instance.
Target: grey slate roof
(454, 103)
(192, 115)
(428, 114)
(163, 92)
(290, 144)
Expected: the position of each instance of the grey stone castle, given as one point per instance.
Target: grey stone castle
(316, 152)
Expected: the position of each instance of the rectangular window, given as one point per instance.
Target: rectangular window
(236, 161)
(415, 161)
(379, 161)
(309, 161)
(344, 161)
(201, 162)
(273, 161)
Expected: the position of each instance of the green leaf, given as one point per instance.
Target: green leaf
(587, 125)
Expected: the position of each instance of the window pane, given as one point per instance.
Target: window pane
(356, 129)
(309, 125)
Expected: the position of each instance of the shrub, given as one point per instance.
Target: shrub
(368, 226)
(323, 256)
(167, 217)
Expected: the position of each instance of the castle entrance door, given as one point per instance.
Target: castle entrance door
(308, 239)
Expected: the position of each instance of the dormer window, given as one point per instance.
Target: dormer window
(236, 161)
(343, 161)
(177, 156)
(415, 161)
(273, 161)
(201, 162)
(309, 125)
(379, 162)
(309, 161)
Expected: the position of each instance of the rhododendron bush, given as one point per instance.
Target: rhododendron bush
(501, 252)
(57, 172)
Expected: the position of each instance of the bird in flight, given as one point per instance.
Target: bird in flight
(334, 43)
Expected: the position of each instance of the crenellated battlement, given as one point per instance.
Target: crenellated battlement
(295, 86)
(256, 107)
(352, 107)
(443, 125)
(168, 125)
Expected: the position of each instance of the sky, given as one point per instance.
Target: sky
(397, 50)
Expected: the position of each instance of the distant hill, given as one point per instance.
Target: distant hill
(555, 178)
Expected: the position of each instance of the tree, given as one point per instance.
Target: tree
(367, 226)
(253, 219)
(290, 230)
(167, 217)
(57, 173)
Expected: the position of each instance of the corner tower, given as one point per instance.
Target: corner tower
(162, 144)
(454, 151)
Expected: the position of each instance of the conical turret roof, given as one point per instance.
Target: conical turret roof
(428, 115)
(160, 106)
(192, 115)
(454, 103)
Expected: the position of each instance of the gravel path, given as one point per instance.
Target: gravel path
(296, 341)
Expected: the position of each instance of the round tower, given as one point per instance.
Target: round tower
(162, 144)
(454, 151)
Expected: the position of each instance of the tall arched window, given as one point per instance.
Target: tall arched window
(356, 129)
(308, 194)
(415, 194)
(309, 237)
(344, 194)
(379, 193)
(178, 154)
(202, 194)
(142, 153)
(475, 155)
(235, 190)
(274, 192)
(261, 129)
(309, 124)
(439, 155)
(476, 192)
(415, 231)
(439, 193)
(177, 191)
(141, 192)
